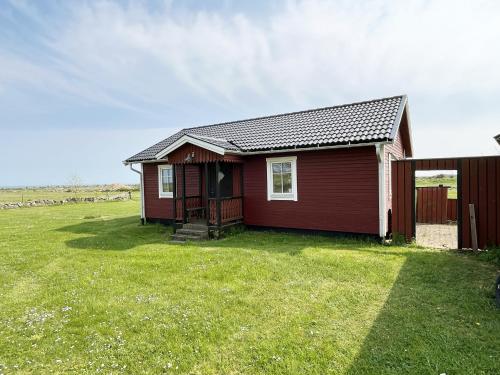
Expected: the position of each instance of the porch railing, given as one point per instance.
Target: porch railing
(191, 203)
(231, 209)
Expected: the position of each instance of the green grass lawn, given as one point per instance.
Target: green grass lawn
(84, 289)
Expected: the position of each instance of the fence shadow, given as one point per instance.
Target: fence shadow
(429, 323)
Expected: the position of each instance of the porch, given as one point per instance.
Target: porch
(208, 193)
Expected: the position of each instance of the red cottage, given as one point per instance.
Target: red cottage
(324, 169)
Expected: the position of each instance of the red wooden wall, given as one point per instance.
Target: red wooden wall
(337, 191)
(451, 208)
(432, 205)
(162, 208)
(478, 183)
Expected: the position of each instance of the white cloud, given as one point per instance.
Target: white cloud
(310, 49)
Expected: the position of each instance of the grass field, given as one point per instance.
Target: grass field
(85, 289)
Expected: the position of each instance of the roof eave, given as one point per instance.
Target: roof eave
(403, 106)
(282, 150)
(188, 139)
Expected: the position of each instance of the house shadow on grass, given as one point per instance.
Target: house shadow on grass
(116, 234)
(439, 318)
(294, 243)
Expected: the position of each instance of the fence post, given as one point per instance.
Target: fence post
(473, 230)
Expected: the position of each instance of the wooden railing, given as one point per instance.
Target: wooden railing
(231, 209)
(191, 203)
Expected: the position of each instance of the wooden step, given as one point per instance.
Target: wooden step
(195, 226)
(187, 237)
(192, 232)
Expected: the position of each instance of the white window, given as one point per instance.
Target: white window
(282, 178)
(165, 181)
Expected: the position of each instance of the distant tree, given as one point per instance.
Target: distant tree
(75, 184)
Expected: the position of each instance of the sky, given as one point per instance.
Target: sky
(84, 85)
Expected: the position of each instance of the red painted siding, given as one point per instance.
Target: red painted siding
(201, 155)
(162, 208)
(337, 191)
(155, 207)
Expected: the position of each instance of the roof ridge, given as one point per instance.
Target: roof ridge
(206, 136)
(296, 112)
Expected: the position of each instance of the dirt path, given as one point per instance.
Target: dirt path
(441, 236)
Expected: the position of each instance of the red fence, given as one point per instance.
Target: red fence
(451, 209)
(432, 205)
(478, 184)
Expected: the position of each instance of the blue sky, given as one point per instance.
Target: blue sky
(83, 85)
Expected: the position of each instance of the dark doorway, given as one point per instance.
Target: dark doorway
(226, 184)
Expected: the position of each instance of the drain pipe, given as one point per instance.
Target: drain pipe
(141, 191)
(379, 148)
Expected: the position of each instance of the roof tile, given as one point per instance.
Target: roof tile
(358, 122)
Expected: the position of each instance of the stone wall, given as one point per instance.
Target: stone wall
(53, 202)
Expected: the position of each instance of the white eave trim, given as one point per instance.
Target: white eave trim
(187, 139)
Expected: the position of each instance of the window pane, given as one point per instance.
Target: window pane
(287, 182)
(277, 182)
(287, 167)
(167, 181)
(276, 168)
(277, 186)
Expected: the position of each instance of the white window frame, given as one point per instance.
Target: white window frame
(161, 193)
(271, 196)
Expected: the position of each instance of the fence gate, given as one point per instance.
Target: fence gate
(478, 183)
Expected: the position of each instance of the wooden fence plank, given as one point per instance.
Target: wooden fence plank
(401, 198)
(497, 193)
(395, 192)
(465, 204)
(408, 201)
(482, 210)
(492, 202)
(433, 207)
(444, 205)
(451, 209)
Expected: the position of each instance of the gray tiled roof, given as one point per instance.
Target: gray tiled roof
(364, 122)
